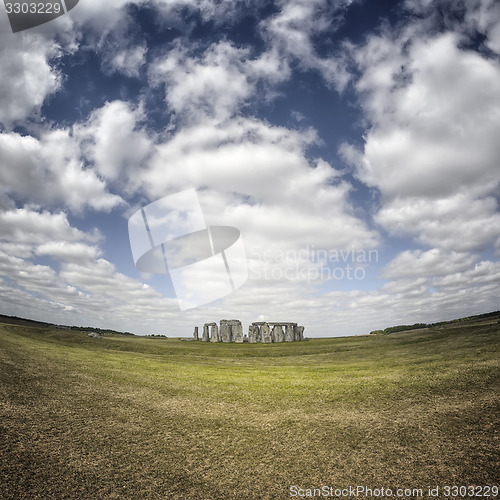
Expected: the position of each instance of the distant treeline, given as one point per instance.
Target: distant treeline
(416, 326)
(466, 319)
(399, 328)
(100, 331)
(15, 320)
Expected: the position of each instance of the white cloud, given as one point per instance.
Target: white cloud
(214, 85)
(215, 11)
(459, 222)
(49, 171)
(85, 291)
(107, 290)
(431, 263)
(79, 253)
(242, 155)
(102, 17)
(483, 273)
(113, 33)
(27, 76)
(484, 15)
(411, 300)
(129, 61)
(292, 30)
(113, 142)
(37, 279)
(432, 149)
(22, 250)
(430, 137)
(464, 16)
(406, 286)
(28, 226)
(256, 177)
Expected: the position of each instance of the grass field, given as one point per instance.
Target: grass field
(133, 418)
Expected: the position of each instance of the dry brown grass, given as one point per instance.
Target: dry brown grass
(142, 418)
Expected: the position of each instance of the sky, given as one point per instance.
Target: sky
(352, 145)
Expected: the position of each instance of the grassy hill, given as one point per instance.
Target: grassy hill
(129, 417)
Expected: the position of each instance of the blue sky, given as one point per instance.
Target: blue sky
(364, 132)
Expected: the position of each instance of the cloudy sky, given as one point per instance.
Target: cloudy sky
(354, 144)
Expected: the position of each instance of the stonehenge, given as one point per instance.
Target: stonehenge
(205, 337)
(214, 332)
(252, 334)
(277, 334)
(233, 331)
(266, 332)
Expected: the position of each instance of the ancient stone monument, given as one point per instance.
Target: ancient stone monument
(277, 334)
(231, 330)
(210, 333)
(265, 332)
(205, 337)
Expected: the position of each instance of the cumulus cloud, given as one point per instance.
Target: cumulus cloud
(126, 297)
(415, 299)
(429, 138)
(459, 222)
(431, 263)
(38, 279)
(53, 161)
(257, 178)
(242, 155)
(466, 16)
(293, 29)
(87, 291)
(431, 107)
(29, 226)
(432, 148)
(86, 286)
(79, 253)
(22, 250)
(484, 16)
(113, 141)
(213, 85)
(27, 76)
(484, 273)
(129, 61)
(100, 19)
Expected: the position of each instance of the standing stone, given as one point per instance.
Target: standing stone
(195, 334)
(252, 334)
(258, 334)
(205, 337)
(225, 331)
(273, 331)
(237, 332)
(289, 334)
(299, 333)
(278, 335)
(266, 333)
(214, 333)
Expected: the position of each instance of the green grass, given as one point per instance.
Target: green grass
(129, 417)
